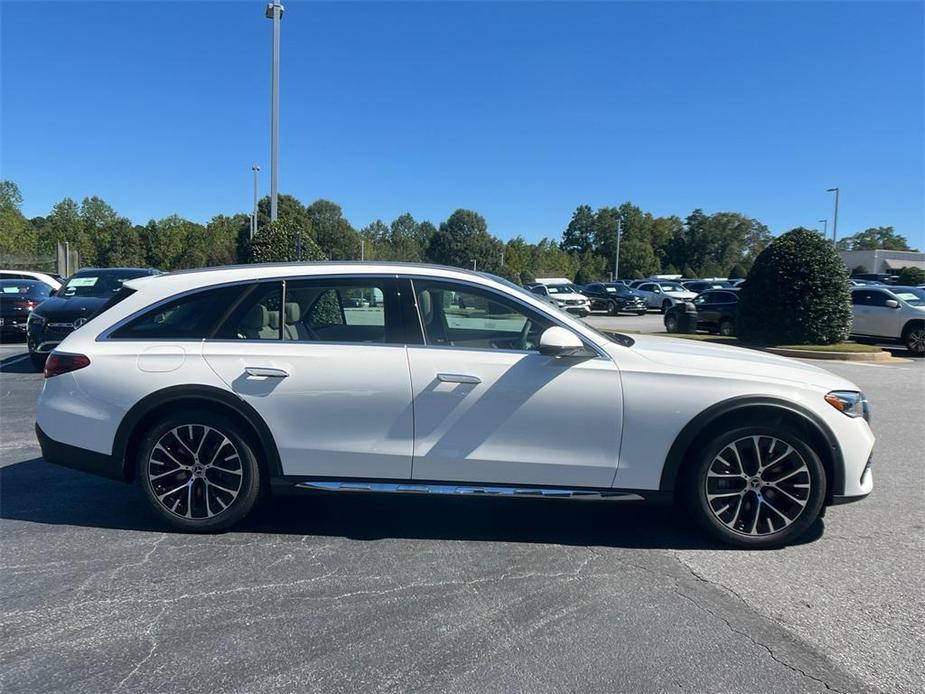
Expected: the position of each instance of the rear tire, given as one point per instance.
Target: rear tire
(38, 360)
(612, 308)
(197, 472)
(727, 328)
(756, 487)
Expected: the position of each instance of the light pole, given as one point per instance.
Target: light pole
(274, 12)
(835, 218)
(475, 265)
(256, 170)
(616, 260)
(825, 228)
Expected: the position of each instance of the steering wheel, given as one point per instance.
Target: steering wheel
(524, 335)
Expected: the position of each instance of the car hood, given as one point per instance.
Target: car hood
(691, 355)
(684, 296)
(566, 297)
(70, 306)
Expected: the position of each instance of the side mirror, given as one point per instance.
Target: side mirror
(657, 290)
(891, 303)
(559, 342)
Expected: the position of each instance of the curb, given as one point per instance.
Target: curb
(840, 356)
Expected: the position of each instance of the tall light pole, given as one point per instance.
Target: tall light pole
(274, 12)
(835, 218)
(825, 228)
(256, 170)
(616, 260)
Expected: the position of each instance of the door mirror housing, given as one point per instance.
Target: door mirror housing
(559, 342)
(891, 303)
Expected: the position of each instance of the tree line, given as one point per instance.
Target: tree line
(700, 245)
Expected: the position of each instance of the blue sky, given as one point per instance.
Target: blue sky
(520, 111)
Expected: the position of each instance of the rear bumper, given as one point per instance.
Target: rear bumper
(78, 458)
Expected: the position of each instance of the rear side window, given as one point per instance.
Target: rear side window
(191, 317)
(258, 316)
(349, 310)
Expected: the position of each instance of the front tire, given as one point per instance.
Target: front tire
(666, 304)
(756, 487)
(612, 308)
(197, 472)
(914, 339)
(727, 328)
(671, 324)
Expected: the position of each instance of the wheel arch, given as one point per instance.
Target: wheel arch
(149, 409)
(746, 410)
(910, 325)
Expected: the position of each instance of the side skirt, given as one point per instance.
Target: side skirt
(284, 485)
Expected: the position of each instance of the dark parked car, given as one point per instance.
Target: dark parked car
(73, 305)
(614, 297)
(698, 286)
(713, 310)
(17, 300)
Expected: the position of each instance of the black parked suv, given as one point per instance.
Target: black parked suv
(614, 297)
(713, 310)
(18, 298)
(76, 302)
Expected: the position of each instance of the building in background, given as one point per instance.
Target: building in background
(882, 261)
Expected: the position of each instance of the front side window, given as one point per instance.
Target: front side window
(190, 317)
(463, 316)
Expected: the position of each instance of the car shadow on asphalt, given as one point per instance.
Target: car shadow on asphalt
(18, 364)
(37, 492)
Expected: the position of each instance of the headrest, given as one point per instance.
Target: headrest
(255, 318)
(426, 305)
(273, 319)
(293, 312)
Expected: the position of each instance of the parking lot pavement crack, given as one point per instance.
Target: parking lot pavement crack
(148, 633)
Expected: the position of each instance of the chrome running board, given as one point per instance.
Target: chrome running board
(466, 490)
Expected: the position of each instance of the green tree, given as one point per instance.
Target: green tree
(859, 270)
(688, 272)
(873, 239)
(670, 270)
(578, 236)
(283, 241)
(464, 238)
(797, 293)
(637, 259)
(591, 268)
(62, 225)
(333, 234)
(17, 234)
(738, 272)
(911, 276)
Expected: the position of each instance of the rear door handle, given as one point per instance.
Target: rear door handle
(458, 378)
(266, 372)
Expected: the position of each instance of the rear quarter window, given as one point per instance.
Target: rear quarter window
(191, 317)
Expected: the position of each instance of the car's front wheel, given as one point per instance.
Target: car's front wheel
(612, 308)
(914, 338)
(671, 324)
(756, 487)
(666, 304)
(198, 473)
(727, 328)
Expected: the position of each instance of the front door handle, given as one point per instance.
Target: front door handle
(458, 378)
(266, 372)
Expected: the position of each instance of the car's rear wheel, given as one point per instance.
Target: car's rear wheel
(612, 308)
(914, 338)
(756, 487)
(198, 473)
(38, 360)
(727, 328)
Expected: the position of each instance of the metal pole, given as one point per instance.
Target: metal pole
(475, 264)
(255, 169)
(616, 260)
(362, 249)
(825, 228)
(274, 12)
(835, 218)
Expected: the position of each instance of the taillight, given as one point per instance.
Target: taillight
(58, 364)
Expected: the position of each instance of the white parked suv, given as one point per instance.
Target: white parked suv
(663, 294)
(896, 314)
(212, 388)
(564, 294)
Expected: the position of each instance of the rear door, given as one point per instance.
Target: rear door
(323, 361)
(489, 408)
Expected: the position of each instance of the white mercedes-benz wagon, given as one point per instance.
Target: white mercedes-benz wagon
(213, 388)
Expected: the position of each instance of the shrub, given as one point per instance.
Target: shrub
(911, 275)
(796, 293)
(688, 272)
(283, 241)
(738, 272)
(859, 270)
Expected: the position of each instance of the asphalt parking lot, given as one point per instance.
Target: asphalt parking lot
(366, 593)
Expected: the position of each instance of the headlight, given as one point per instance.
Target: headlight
(35, 319)
(560, 303)
(849, 402)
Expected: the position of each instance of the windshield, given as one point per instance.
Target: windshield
(911, 295)
(99, 283)
(671, 287)
(563, 289)
(24, 289)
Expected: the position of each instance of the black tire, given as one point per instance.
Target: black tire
(790, 505)
(727, 328)
(914, 338)
(38, 360)
(671, 324)
(666, 304)
(612, 308)
(641, 313)
(238, 463)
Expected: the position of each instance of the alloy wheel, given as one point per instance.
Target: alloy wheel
(757, 485)
(195, 471)
(916, 340)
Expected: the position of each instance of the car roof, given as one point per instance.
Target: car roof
(21, 282)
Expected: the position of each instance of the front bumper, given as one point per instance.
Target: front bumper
(78, 458)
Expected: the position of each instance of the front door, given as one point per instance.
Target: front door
(323, 361)
(489, 408)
